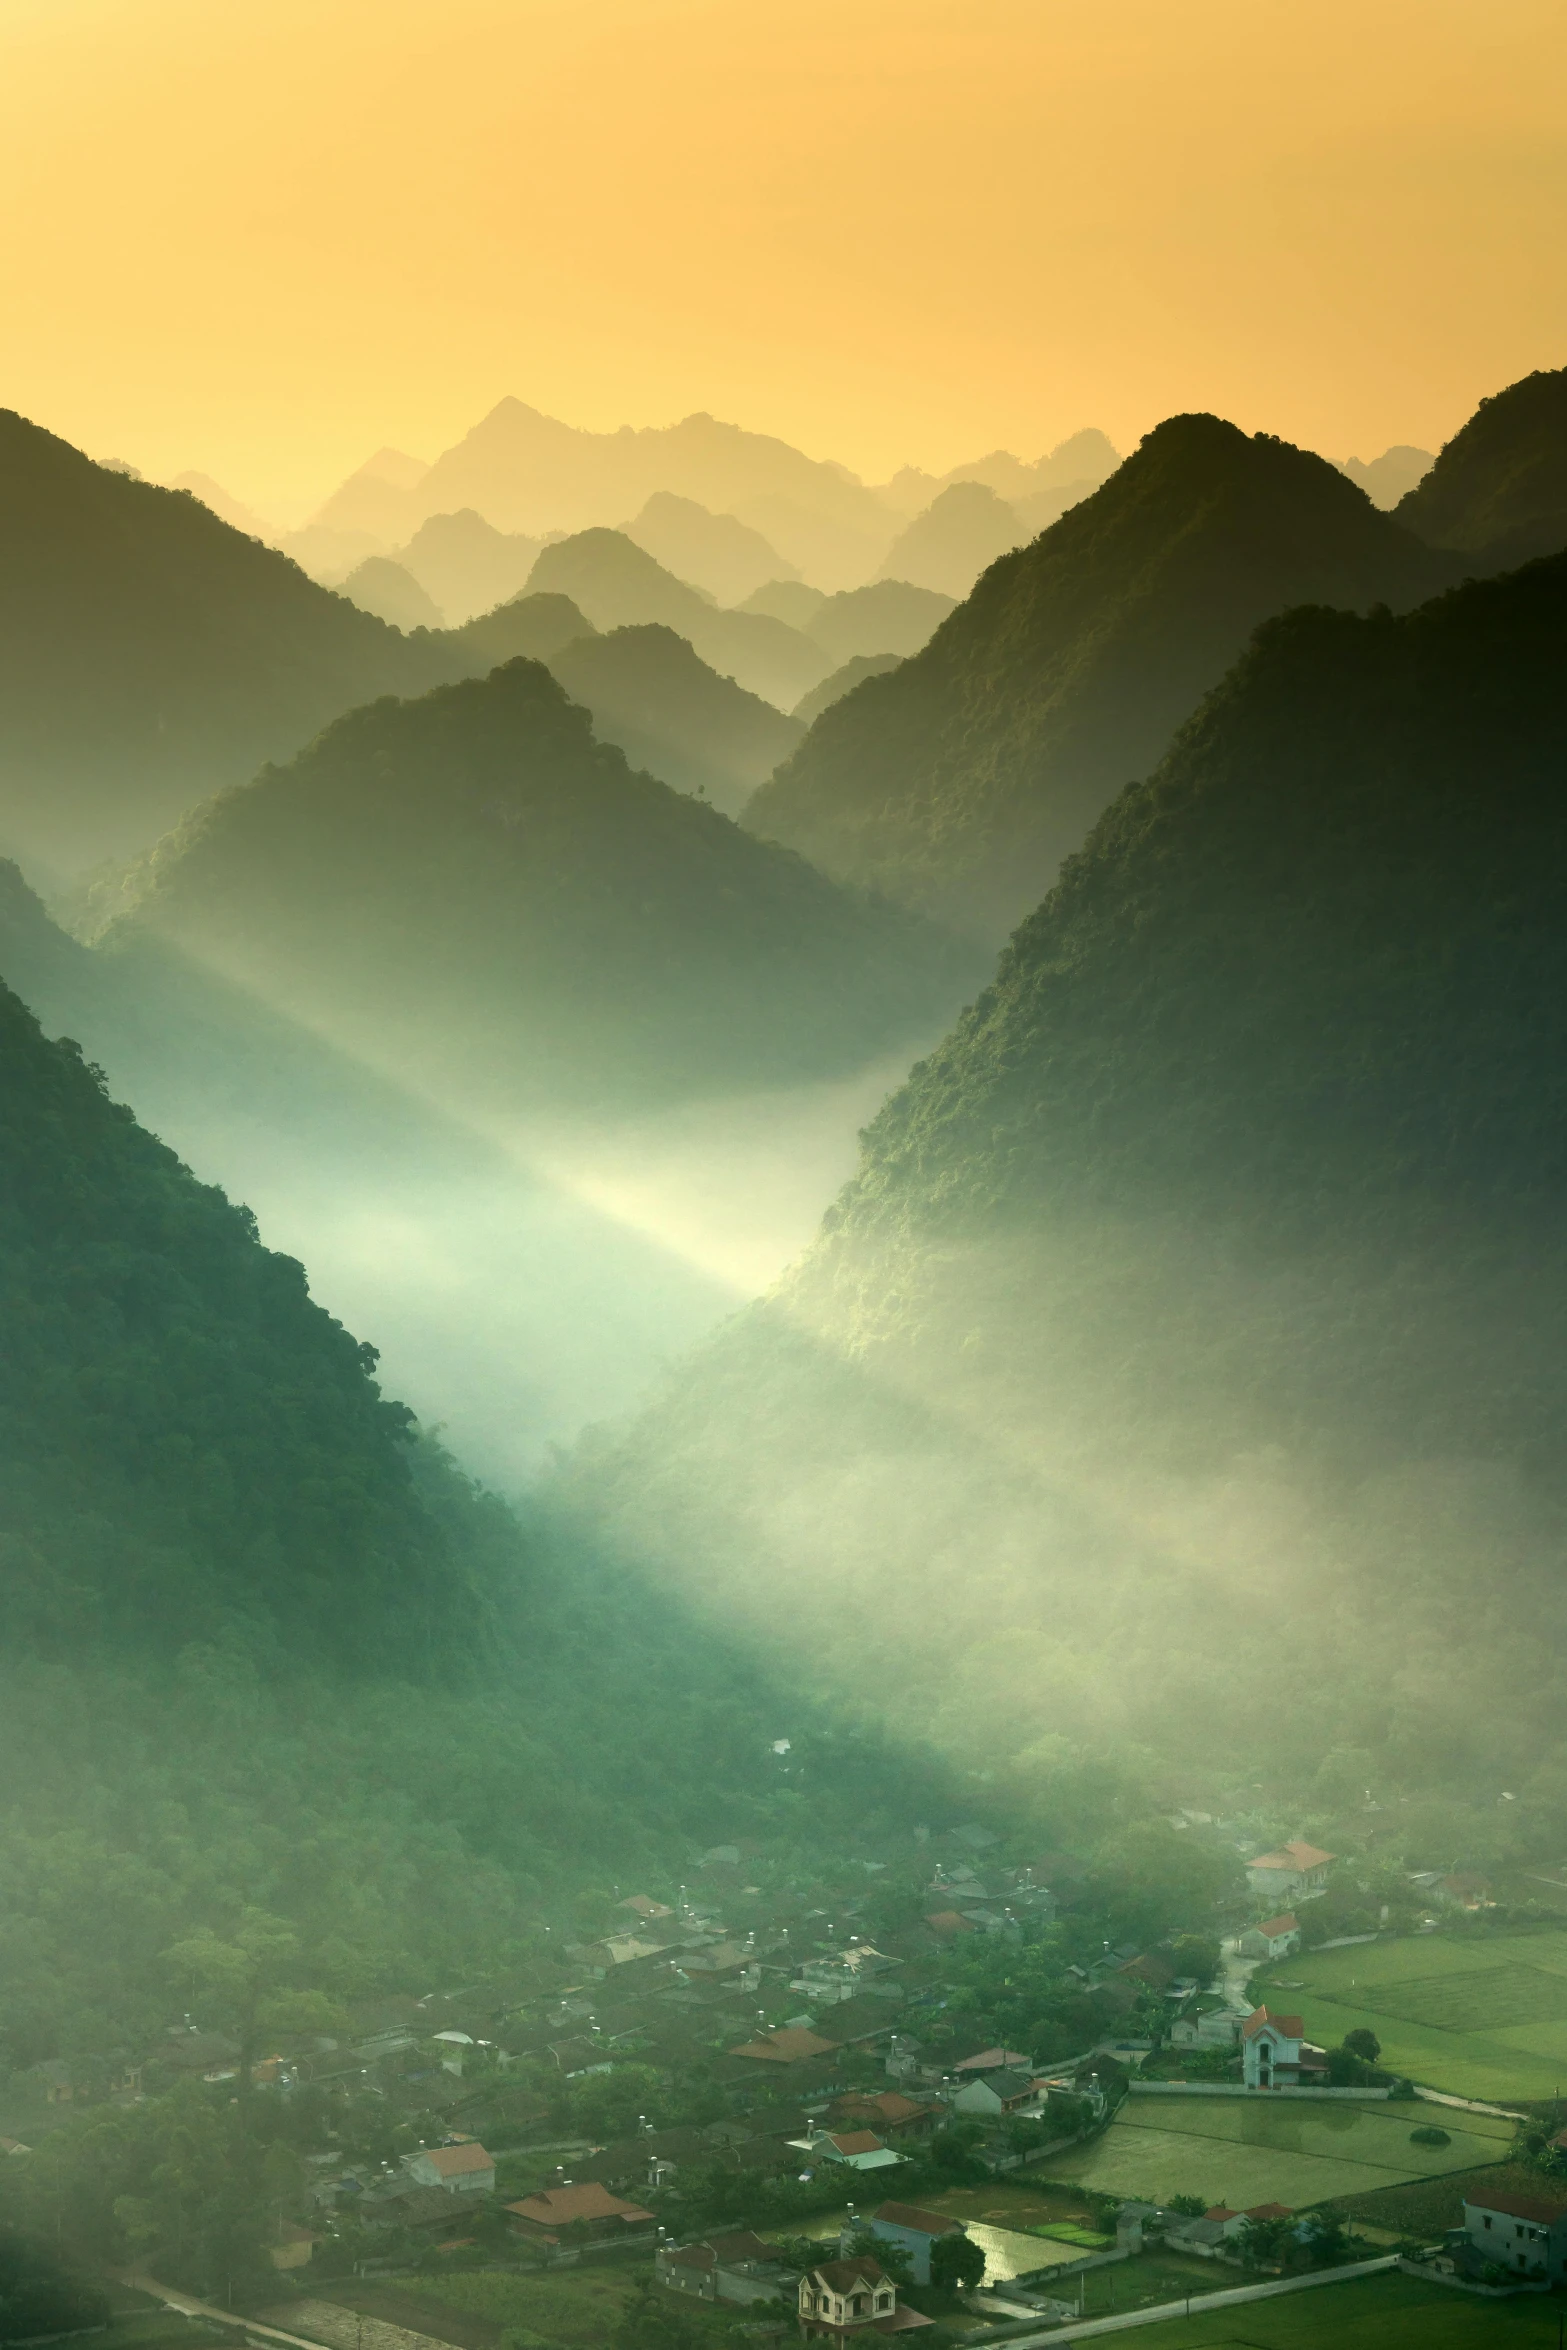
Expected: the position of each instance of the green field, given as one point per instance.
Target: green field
(1477, 2017)
(1390, 2312)
(1249, 2150)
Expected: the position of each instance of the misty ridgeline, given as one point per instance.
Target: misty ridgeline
(749, 1223)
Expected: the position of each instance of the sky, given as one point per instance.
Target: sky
(261, 238)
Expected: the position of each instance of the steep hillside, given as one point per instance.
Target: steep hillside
(392, 593)
(958, 536)
(889, 616)
(714, 551)
(185, 1439)
(1391, 476)
(149, 654)
(1498, 491)
(650, 694)
(470, 890)
(1186, 1353)
(534, 626)
(960, 781)
(466, 566)
(842, 681)
(618, 585)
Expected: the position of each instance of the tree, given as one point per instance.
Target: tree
(1362, 2041)
(1190, 2206)
(1324, 2236)
(653, 2320)
(896, 2259)
(957, 2263)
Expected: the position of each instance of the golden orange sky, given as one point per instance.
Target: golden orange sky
(261, 237)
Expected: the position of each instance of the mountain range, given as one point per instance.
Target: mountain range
(1194, 1315)
(959, 781)
(1497, 493)
(467, 890)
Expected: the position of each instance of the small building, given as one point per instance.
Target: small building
(997, 2093)
(849, 2296)
(1212, 2027)
(791, 2044)
(1294, 1873)
(860, 2149)
(1524, 2233)
(914, 2229)
(642, 1906)
(897, 2117)
(587, 2213)
(464, 2169)
(1273, 1938)
(291, 2247)
(52, 2081)
(738, 2267)
(1275, 2054)
(990, 2060)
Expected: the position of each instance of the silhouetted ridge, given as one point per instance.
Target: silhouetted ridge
(469, 887)
(149, 653)
(958, 783)
(1499, 488)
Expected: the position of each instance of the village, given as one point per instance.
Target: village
(794, 2110)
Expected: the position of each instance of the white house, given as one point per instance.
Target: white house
(844, 2295)
(1525, 2233)
(1294, 1873)
(1275, 2054)
(461, 2170)
(860, 2149)
(1274, 1938)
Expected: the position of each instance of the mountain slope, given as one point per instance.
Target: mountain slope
(470, 890)
(184, 1437)
(889, 616)
(713, 551)
(150, 654)
(1499, 488)
(1185, 1355)
(958, 536)
(842, 681)
(392, 593)
(959, 782)
(651, 695)
(618, 585)
(466, 566)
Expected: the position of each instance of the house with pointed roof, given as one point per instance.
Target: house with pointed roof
(578, 2214)
(845, 2298)
(913, 2229)
(1526, 2234)
(1275, 2053)
(860, 2149)
(1273, 1938)
(463, 2169)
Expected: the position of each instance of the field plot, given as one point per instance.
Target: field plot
(1244, 2151)
(1390, 2312)
(1479, 2018)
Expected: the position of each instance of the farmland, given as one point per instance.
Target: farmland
(1479, 2016)
(1245, 2151)
(1389, 2312)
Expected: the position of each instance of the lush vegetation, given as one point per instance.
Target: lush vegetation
(149, 653)
(959, 782)
(1195, 1312)
(652, 695)
(470, 890)
(1498, 491)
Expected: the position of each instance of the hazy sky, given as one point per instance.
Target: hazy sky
(262, 236)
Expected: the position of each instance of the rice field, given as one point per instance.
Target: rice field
(1477, 2017)
(1243, 2151)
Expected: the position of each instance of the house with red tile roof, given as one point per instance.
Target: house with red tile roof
(1526, 2234)
(577, 2214)
(791, 2044)
(1294, 1873)
(1273, 1938)
(463, 2169)
(1275, 2053)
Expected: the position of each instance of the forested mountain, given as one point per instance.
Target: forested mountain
(714, 551)
(466, 566)
(650, 694)
(958, 782)
(956, 538)
(888, 616)
(470, 890)
(534, 626)
(1498, 491)
(392, 593)
(618, 585)
(842, 681)
(186, 1441)
(1391, 476)
(1184, 1362)
(149, 654)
